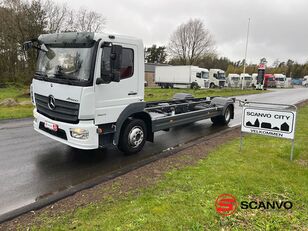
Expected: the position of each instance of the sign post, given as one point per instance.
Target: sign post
(276, 120)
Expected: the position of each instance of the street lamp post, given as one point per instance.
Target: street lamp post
(244, 71)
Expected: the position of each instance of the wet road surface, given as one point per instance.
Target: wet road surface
(33, 166)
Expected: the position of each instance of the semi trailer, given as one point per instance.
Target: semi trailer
(181, 77)
(88, 93)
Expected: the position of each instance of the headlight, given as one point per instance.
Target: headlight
(79, 133)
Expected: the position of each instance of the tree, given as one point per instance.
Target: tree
(190, 41)
(155, 54)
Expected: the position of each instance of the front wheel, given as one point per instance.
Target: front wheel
(133, 136)
(223, 119)
(212, 85)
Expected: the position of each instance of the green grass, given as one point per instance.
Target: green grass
(20, 111)
(151, 94)
(184, 199)
(155, 94)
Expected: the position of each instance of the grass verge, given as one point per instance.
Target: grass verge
(184, 198)
(155, 94)
(20, 111)
(151, 94)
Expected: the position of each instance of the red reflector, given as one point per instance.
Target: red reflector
(55, 127)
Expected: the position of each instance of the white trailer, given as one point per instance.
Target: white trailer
(217, 78)
(280, 80)
(233, 80)
(246, 80)
(88, 93)
(181, 77)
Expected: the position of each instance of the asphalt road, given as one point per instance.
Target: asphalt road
(33, 166)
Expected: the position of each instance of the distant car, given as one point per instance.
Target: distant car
(145, 83)
(305, 81)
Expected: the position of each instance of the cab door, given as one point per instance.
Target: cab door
(112, 98)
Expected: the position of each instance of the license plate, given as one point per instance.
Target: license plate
(51, 126)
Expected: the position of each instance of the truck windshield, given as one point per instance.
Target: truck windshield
(205, 75)
(70, 64)
(221, 76)
(280, 79)
(247, 78)
(235, 78)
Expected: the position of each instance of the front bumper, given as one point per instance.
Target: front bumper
(63, 135)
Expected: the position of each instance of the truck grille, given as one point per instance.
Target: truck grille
(221, 83)
(63, 111)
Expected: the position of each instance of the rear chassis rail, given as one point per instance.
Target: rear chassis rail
(167, 114)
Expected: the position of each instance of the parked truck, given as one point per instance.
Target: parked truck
(269, 81)
(233, 80)
(280, 80)
(181, 77)
(246, 80)
(217, 78)
(88, 93)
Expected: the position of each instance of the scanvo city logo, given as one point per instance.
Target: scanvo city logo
(226, 204)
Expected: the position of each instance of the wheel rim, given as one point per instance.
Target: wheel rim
(227, 114)
(135, 136)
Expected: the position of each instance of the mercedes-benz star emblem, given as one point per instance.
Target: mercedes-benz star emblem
(51, 102)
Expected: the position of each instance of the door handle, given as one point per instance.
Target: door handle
(132, 93)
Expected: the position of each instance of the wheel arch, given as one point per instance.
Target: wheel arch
(134, 110)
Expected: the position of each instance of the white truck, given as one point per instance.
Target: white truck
(246, 80)
(280, 80)
(254, 80)
(233, 80)
(88, 93)
(181, 77)
(217, 78)
(305, 81)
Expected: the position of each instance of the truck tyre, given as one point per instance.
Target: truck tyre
(223, 119)
(194, 86)
(133, 137)
(212, 85)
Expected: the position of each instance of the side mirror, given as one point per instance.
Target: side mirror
(116, 57)
(111, 72)
(27, 45)
(215, 75)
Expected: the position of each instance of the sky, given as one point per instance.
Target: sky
(278, 28)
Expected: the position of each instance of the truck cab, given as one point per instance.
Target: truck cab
(269, 81)
(280, 80)
(233, 80)
(73, 84)
(88, 93)
(246, 80)
(217, 78)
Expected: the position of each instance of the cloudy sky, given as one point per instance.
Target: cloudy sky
(278, 28)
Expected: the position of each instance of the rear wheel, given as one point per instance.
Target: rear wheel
(223, 119)
(133, 136)
(212, 85)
